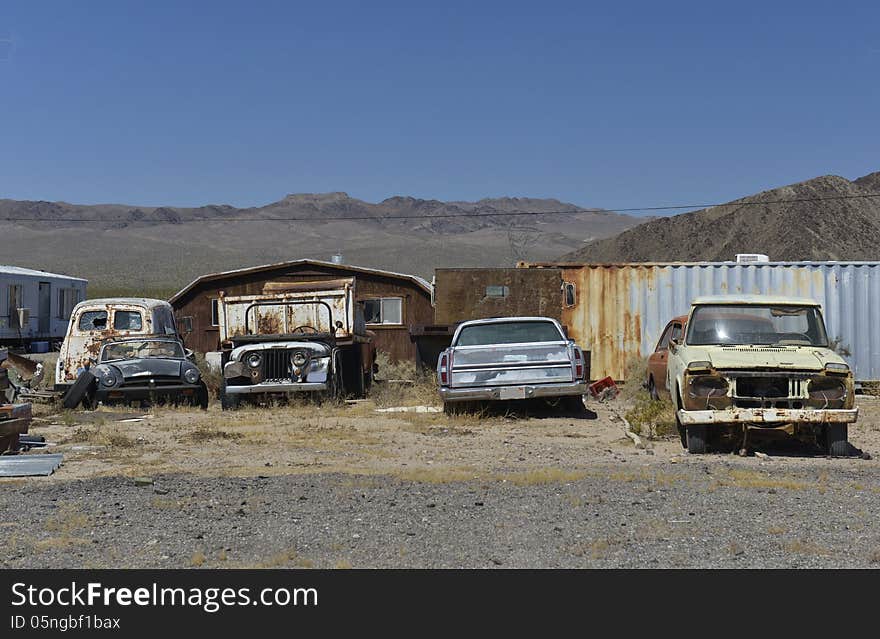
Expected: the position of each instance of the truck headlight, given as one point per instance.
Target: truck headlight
(836, 367)
(827, 392)
(106, 376)
(299, 358)
(254, 360)
(706, 386)
(191, 375)
(701, 365)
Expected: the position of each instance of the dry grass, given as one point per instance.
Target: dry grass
(100, 434)
(802, 547)
(343, 564)
(636, 373)
(652, 419)
(540, 476)
(286, 558)
(66, 521)
(198, 559)
(743, 478)
(403, 384)
(596, 549)
(206, 433)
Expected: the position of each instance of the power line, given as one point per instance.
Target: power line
(462, 214)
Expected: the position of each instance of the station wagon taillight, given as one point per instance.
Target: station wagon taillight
(578, 364)
(445, 360)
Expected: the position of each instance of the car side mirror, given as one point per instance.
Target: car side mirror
(673, 344)
(190, 354)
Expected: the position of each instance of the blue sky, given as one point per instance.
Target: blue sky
(613, 104)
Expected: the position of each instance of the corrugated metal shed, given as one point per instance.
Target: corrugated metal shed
(620, 309)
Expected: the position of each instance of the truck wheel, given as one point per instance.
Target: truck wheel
(652, 390)
(458, 408)
(81, 392)
(836, 440)
(574, 405)
(200, 398)
(228, 402)
(696, 440)
(682, 433)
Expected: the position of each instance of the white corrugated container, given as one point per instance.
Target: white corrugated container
(622, 308)
(49, 297)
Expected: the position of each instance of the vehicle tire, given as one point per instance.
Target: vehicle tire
(458, 408)
(652, 390)
(696, 440)
(682, 433)
(200, 398)
(837, 440)
(573, 405)
(228, 402)
(84, 386)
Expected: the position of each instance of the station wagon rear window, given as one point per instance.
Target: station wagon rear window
(127, 321)
(93, 321)
(509, 333)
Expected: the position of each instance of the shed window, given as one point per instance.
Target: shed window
(497, 291)
(13, 304)
(67, 299)
(93, 321)
(128, 321)
(385, 310)
(569, 294)
(215, 312)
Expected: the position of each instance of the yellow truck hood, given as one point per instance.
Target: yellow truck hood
(792, 358)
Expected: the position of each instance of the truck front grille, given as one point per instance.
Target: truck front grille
(769, 392)
(276, 365)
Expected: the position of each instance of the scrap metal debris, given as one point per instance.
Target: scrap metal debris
(29, 465)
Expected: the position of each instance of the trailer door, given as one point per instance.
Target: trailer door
(44, 307)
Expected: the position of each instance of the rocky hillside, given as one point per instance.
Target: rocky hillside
(841, 229)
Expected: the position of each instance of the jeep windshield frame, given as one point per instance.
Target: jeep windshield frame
(756, 325)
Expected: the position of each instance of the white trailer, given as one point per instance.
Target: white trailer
(35, 306)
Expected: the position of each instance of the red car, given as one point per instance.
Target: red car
(656, 382)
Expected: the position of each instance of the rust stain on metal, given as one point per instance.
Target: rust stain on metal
(269, 323)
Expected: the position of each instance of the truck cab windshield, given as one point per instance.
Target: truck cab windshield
(752, 324)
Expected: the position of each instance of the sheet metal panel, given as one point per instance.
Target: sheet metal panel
(29, 465)
(622, 308)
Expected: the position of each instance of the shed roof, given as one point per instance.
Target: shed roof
(418, 281)
(29, 272)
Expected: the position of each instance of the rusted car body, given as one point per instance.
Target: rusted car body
(146, 369)
(92, 322)
(658, 360)
(754, 364)
(511, 358)
(303, 337)
(15, 419)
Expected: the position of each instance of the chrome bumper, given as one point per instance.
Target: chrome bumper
(491, 393)
(768, 416)
(252, 389)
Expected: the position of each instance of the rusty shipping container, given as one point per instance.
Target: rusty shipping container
(472, 293)
(619, 310)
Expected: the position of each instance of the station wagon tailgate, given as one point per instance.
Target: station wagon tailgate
(507, 364)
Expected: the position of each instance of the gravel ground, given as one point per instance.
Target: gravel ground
(724, 512)
(346, 486)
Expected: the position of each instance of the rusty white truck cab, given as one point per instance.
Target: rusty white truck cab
(92, 322)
